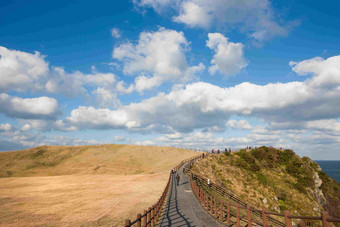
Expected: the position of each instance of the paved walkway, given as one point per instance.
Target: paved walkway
(183, 209)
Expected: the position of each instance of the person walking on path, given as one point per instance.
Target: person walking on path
(177, 179)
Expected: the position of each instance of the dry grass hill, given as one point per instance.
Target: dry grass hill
(82, 185)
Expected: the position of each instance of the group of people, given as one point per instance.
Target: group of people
(213, 151)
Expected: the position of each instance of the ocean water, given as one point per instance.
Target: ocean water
(332, 168)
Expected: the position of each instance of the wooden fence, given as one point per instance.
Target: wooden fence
(150, 217)
(234, 213)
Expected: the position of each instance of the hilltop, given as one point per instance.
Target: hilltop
(98, 159)
(275, 179)
(82, 185)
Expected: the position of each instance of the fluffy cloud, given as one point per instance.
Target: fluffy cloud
(241, 124)
(254, 17)
(202, 105)
(20, 71)
(100, 118)
(208, 141)
(158, 5)
(72, 84)
(330, 126)
(6, 127)
(228, 58)
(46, 125)
(194, 15)
(197, 105)
(160, 54)
(145, 83)
(29, 108)
(326, 73)
(19, 139)
(105, 88)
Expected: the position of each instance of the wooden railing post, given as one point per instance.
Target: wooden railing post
(264, 216)
(127, 223)
(237, 215)
(139, 218)
(215, 205)
(287, 219)
(221, 217)
(149, 217)
(158, 208)
(211, 205)
(205, 199)
(153, 216)
(249, 215)
(199, 194)
(202, 196)
(228, 213)
(324, 217)
(145, 218)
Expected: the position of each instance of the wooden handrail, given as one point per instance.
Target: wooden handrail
(231, 195)
(151, 216)
(199, 185)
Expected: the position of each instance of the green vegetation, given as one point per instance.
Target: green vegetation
(287, 181)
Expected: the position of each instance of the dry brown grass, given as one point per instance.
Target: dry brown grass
(100, 159)
(75, 192)
(77, 200)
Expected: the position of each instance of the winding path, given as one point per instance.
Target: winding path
(183, 209)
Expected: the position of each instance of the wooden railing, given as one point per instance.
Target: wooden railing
(238, 211)
(151, 216)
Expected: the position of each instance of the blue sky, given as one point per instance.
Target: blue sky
(171, 72)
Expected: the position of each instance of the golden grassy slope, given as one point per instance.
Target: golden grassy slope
(71, 200)
(100, 159)
(84, 185)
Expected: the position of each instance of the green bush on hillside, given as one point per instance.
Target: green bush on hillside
(247, 161)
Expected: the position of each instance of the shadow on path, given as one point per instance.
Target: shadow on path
(182, 208)
(173, 215)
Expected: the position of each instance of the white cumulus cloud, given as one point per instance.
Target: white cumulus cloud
(241, 124)
(160, 52)
(202, 105)
(257, 18)
(29, 108)
(228, 58)
(157, 57)
(21, 71)
(194, 15)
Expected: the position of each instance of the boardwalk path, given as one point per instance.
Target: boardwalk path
(183, 209)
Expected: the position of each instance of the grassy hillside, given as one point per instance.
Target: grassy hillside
(84, 185)
(100, 159)
(277, 180)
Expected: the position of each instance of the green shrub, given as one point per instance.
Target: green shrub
(260, 153)
(40, 152)
(227, 154)
(262, 178)
(286, 155)
(241, 163)
(282, 205)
